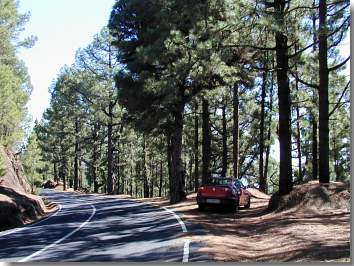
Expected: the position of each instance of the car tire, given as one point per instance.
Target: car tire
(234, 208)
(201, 207)
(248, 205)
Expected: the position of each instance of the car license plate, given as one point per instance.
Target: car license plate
(212, 200)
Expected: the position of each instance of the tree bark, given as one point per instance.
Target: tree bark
(196, 149)
(298, 142)
(298, 127)
(262, 181)
(190, 185)
(169, 164)
(224, 141)
(63, 173)
(285, 175)
(119, 187)
(335, 158)
(269, 131)
(76, 159)
(146, 185)
(177, 188)
(95, 157)
(110, 153)
(206, 146)
(56, 179)
(131, 180)
(313, 112)
(151, 189)
(314, 148)
(323, 95)
(235, 132)
(161, 179)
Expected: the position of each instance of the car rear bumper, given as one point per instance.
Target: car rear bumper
(216, 201)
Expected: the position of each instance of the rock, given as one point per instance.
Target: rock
(17, 205)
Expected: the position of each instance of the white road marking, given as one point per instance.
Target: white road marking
(30, 225)
(186, 250)
(184, 229)
(61, 239)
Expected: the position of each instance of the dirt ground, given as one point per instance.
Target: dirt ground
(257, 235)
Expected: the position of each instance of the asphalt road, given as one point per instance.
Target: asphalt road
(94, 228)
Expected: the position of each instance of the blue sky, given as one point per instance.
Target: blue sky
(62, 26)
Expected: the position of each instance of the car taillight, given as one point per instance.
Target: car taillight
(227, 189)
(200, 190)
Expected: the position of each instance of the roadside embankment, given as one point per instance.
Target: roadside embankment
(17, 205)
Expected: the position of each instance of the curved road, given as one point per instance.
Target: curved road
(96, 228)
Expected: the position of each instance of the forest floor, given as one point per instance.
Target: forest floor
(257, 235)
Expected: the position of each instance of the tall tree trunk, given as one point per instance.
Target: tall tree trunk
(169, 163)
(335, 158)
(285, 175)
(95, 158)
(80, 173)
(298, 142)
(110, 153)
(118, 185)
(269, 130)
(63, 173)
(323, 95)
(56, 179)
(131, 180)
(177, 192)
(262, 181)
(224, 141)
(76, 159)
(190, 186)
(138, 174)
(151, 177)
(146, 186)
(235, 132)
(298, 127)
(314, 148)
(161, 179)
(206, 147)
(196, 149)
(313, 111)
(119, 167)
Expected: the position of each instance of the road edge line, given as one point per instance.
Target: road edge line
(182, 224)
(186, 250)
(184, 230)
(61, 239)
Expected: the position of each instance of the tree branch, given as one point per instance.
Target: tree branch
(315, 86)
(339, 65)
(339, 100)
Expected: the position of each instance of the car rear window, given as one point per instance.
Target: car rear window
(219, 181)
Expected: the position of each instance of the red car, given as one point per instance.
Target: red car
(223, 192)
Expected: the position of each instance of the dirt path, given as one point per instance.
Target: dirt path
(255, 235)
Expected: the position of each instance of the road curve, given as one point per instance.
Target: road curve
(95, 228)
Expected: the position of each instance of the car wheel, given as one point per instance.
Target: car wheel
(248, 205)
(234, 208)
(201, 207)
